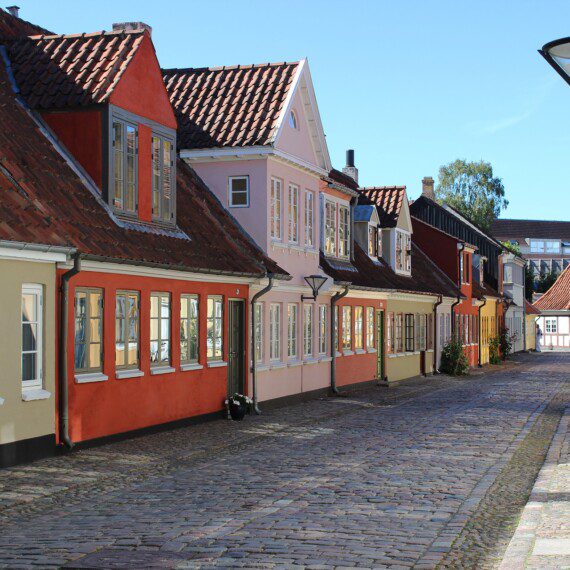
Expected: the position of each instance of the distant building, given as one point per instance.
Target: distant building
(546, 244)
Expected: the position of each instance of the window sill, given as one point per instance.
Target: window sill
(35, 394)
(398, 354)
(277, 365)
(311, 361)
(133, 373)
(90, 377)
(372, 350)
(293, 363)
(360, 351)
(337, 353)
(347, 352)
(191, 366)
(325, 359)
(161, 370)
(217, 363)
(261, 367)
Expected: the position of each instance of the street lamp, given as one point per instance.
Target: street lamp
(315, 282)
(557, 54)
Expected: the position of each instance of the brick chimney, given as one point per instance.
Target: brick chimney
(131, 26)
(428, 188)
(13, 11)
(350, 169)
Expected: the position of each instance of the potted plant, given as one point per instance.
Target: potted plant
(238, 405)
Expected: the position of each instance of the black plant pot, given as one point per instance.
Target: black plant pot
(237, 411)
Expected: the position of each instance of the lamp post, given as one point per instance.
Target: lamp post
(557, 54)
(315, 282)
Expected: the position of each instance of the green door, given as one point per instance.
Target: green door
(380, 345)
(236, 347)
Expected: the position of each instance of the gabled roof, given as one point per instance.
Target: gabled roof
(505, 229)
(364, 212)
(63, 71)
(229, 106)
(389, 199)
(557, 298)
(12, 27)
(44, 201)
(366, 273)
(530, 309)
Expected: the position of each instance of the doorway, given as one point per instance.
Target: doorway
(236, 346)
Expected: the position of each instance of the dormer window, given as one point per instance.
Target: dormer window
(344, 232)
(124, 166)
(330, 228)
(374, 241)
(162, 178)
(403, 252)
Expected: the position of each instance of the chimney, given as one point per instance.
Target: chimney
(13, 11)
(131, 27)
(350, 169)
(427, 188)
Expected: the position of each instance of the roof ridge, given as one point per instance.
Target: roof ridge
(529, 220)
(229, 67)
(50, 37)
(393, 187)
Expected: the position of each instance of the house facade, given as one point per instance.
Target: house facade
(514, 290)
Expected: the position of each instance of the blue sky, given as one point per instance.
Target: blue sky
(409, 85)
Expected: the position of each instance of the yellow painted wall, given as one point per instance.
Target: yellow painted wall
(489, 310)
(407, 365)
(19, 419)
(530, 332)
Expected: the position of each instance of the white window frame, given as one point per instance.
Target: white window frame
(160, 295)
(309, 218)
(346, 341)
(276, 209)
(359, 327)
(548, 249)
(373, 232)
(258, 332)
(330, 228)
(38, 293)
(189, 298)
(403, 243)
(537, 246)
(120, 204)
(343, 231)
(293, 214)
(551, 325)
(323, 329)
(231, 191)
(308, 330)
(275, 331)
(370, 327)
(101, 316)
(292, 331)
(162, 215)
(128, 294)
(216, 325)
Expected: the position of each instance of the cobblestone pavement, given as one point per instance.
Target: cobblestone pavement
(403, 477)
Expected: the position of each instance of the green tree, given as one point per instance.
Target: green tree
(472, 190)
(529, 281)
(546, 281)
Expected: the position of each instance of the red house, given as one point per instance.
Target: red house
(153, 306)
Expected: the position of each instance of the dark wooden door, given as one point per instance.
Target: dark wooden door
(236, 347)
(380, 345)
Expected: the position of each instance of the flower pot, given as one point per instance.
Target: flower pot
(237, 411)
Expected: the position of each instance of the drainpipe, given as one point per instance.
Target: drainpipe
(453, 327)
(479, 365)
(435, 306)
(63, 337)
(334, 299)
(253, 362)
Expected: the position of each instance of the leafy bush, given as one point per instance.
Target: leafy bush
(495, 350)
(453, 358)
(506, 342)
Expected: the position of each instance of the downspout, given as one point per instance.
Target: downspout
(259, 294)
(479, 365)
(63, 337)
(435, 306)
(453, 327)
(334, 299)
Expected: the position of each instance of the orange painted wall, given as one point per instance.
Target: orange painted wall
(81, 132)
(357, 368)
(141, 89)
(114, 406)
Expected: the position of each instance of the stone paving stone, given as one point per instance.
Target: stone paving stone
(385, 478)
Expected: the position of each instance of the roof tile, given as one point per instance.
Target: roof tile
(557, 298)
(389, 199)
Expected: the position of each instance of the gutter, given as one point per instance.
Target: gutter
(64, 334)
(334, 299)
(40, 248)
(435, 306)
(484, 299)
(253, 363)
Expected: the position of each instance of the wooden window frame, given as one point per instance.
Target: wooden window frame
(275, 331)
(323, 329)
(120, 204)
(309, 218)
(128, 294)
(359, 327)
(346, 327)
(232, 192)
(308, 330)
(101, 316)
(276, 202)
(189, 320)
(330, 228)
(37, 292)
(409, 332)
(343, 231)
(159, 295)
(258, 332)
(370, 327)
(215, 326)
(292, 331)
(293, 214)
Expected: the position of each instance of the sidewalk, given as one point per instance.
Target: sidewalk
(542, 538)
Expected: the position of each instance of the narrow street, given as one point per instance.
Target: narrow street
(433, 473)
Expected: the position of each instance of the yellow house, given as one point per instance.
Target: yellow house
(27, 351)
(488, 324)
(531, 315)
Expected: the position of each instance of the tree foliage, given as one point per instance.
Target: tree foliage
(473, 190)
(529, 282)
(453, 359)
(546, 281)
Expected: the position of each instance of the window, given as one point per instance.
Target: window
(309, 219)
(239, 191)
(162, 178)
(379, 254)
(507, 274)
(322, 329)
(430, 332)
(422, 331)
(442, 337)
(293, 213)
(276, 186)
(159, 329)
(552, 247)
(346, 328)
(189, 328)
(127, 329)
(32, 336)
(330, 228)
(409, 332)
(390, 333)
(465, 329)
(308, 331)
(551, 325)
(124, 165)
(344, 232)
(403, 250)
(372, 241)
(291, 331)
(258, 333)
(293, 120)
(447, 327)
(336, 339)
(408, 253)
(370, 327)
(214, 328)
(398, 347)
(275, 331)
(358, 338)
(536, 246)
(88, 330)
(399, 250)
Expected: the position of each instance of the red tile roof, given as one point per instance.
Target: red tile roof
(43, 201)
(557, 298)
(530, 309)
(56, 72)
(504, 229)
(12, 27)
(229, 106)
(389, 199)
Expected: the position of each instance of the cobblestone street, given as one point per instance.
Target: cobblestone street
(435, 472)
